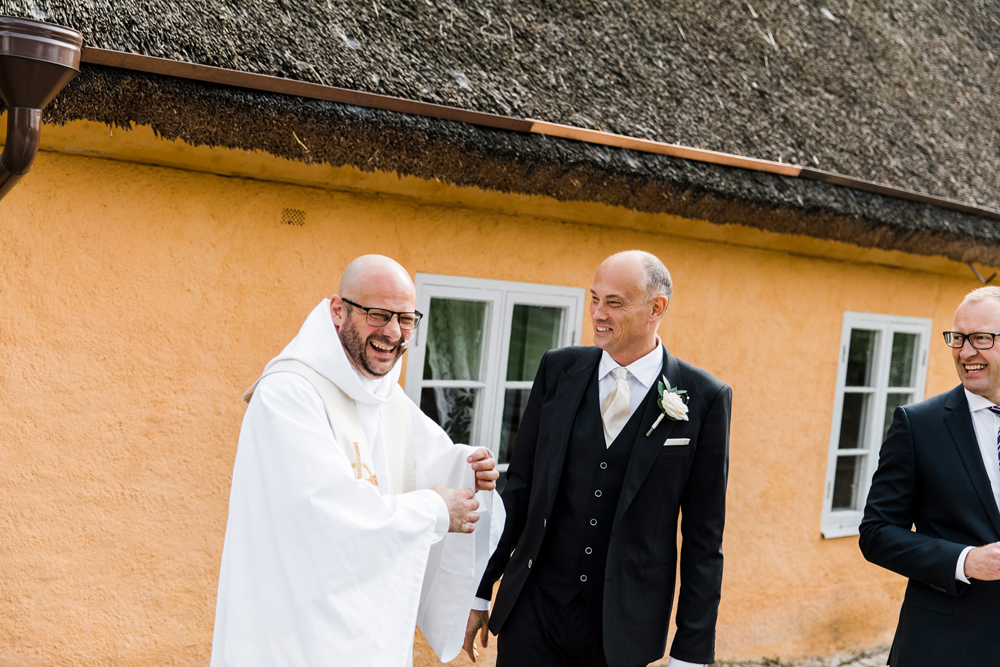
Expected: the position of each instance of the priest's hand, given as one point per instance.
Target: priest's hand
(485, 466)
(477, 623)
(462, 506)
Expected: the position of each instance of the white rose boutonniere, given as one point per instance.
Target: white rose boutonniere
(671, 402)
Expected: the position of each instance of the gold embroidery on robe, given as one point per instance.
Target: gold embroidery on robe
(358, 465)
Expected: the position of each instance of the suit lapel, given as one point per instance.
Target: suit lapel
(959, 421)
(570, 389)
(645, 450)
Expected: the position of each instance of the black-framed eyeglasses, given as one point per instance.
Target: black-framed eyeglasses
(979, 340)
(379, 317)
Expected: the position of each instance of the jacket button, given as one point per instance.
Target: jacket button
(545, 522)
(593, 522)
(588, 551)
(583, 577)
(604, 466)
(597, 493)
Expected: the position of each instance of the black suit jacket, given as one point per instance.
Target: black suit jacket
(931, 475)
(659, 481)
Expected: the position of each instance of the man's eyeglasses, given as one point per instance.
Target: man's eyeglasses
(979, 340)
(379, 317)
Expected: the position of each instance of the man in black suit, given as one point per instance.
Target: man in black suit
(939, 471)
(594, 489)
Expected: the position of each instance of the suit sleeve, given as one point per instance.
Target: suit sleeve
(517, 490)
(703, 510)
(886, 538)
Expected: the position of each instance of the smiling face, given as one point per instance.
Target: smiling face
(979, 370)
(373, 282)
(625, 321)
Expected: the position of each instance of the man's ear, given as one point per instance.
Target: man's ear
(659, 308)
(338, 311)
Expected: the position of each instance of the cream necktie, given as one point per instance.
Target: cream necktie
(615, 409)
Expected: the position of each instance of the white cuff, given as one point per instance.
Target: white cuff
(443, 522)
(960, 567)
(479, 604)
(674, 662)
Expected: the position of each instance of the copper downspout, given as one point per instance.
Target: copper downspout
(37, 60)
(273, 84)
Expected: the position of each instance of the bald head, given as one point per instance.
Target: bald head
(651, 275)
(375, 271)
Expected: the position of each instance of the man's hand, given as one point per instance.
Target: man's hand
(484, 464)
(477, 623)
(983, 563)
(462, 508)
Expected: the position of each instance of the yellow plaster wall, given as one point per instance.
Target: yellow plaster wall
(139, 301)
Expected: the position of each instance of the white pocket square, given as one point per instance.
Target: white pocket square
(676, 441)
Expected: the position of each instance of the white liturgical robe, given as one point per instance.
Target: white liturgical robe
(320, 568)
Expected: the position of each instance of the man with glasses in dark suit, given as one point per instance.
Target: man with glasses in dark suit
(939, 470)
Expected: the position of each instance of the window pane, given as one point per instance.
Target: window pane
(854, 421)
(861, 357)
(514, 401)
(893, 401)
(847, 482)
(453, 409)
(904, 360)
(533, 332)
(455, 338)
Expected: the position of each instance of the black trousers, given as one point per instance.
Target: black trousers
(540, 633)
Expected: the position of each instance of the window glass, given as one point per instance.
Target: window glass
(861, 357)
(454, 409)
(514, 403)
(904, 359)
(846, 482)
(893, 401)
(455, 334)
(534, 331)
(854, 421)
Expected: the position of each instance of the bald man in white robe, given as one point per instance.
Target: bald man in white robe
(352, 515)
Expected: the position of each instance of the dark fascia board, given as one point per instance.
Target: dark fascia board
(265, 83)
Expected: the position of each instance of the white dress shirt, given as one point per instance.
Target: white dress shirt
(642, 374)
(987, 425)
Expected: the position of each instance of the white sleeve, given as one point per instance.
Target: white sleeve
(960, 566)
(674, 662)
(479, 604)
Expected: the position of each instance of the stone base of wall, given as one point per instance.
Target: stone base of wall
(875, 657)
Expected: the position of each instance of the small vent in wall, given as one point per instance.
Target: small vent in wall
(293, 216)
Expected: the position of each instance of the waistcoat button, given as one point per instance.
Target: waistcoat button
(604, 465)
(529, 563)
(597, 493)
(583, 577)
(588, 550)
(593, 522)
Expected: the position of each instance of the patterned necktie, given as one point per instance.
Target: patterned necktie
(615, 409)
(995, 409)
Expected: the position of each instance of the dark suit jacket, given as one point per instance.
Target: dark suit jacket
(659, 481)
(931, 475)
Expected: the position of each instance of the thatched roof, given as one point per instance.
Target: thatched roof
(895, 92)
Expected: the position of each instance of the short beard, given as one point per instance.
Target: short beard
(356, 347)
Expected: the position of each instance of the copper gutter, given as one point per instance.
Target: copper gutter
(37, 60)
(273, 84)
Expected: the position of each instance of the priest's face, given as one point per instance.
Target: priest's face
(374, 350)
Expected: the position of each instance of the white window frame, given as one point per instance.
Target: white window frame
(502, 296)
(843, 523)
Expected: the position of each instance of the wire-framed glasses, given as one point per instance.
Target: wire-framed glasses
(979, 340)
(379, 317)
